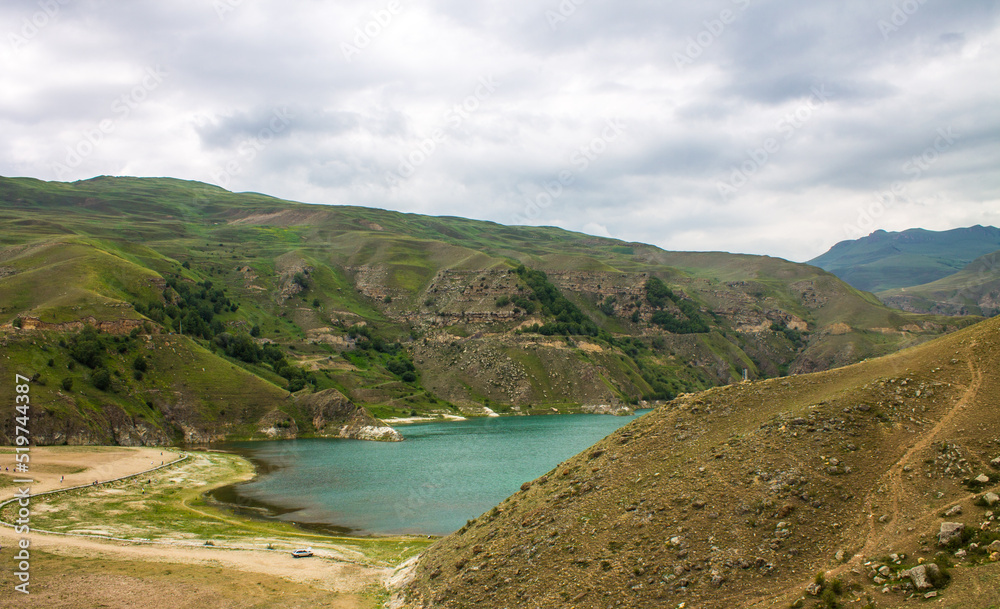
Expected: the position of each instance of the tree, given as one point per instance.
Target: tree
(140, 364)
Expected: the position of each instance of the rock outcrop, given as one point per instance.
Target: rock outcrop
(333, 415)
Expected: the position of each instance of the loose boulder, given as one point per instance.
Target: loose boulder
(922, 576)
(949, 532)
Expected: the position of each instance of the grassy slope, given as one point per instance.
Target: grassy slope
(733, 497)
(187, 390)
(94, 247)
(975, 289)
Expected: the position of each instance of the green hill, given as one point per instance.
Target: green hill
(975, 290)
(739, 496)
(883, 261)
(401, 314)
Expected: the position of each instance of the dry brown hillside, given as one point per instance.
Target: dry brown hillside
(739, 496)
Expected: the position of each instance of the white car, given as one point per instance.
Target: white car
(302, 553)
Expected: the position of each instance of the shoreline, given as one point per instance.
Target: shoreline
(165, 534)
(428, 419)
(241, 506)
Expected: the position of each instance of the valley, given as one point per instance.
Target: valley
(260, 318)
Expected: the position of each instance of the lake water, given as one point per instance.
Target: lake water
(442, 475)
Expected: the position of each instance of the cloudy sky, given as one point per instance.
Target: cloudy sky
(769, 127)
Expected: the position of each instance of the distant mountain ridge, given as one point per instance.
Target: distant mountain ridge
(888, 260)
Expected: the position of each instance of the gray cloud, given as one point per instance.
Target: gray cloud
(497, 110)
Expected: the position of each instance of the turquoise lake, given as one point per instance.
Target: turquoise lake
(442, 475)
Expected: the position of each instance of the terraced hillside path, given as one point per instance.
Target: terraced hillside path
(895, 531)
(878, 543)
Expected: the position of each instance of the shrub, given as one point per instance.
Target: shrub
(942, 579)
(67, 384)
(101, 379)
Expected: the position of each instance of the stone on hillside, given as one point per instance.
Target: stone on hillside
(994, 547)
(717, 578)
(922, 575)
(839, 556)
(995, 462)
(814, 589)
(991, 499)
(949, 532)
(953, 511)
(983, 479)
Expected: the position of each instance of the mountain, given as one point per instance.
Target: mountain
(884, 261)
(975, 290)
(740, 495)
(156, 310)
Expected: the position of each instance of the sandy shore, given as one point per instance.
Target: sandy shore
(209, 571)
(55, 467)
